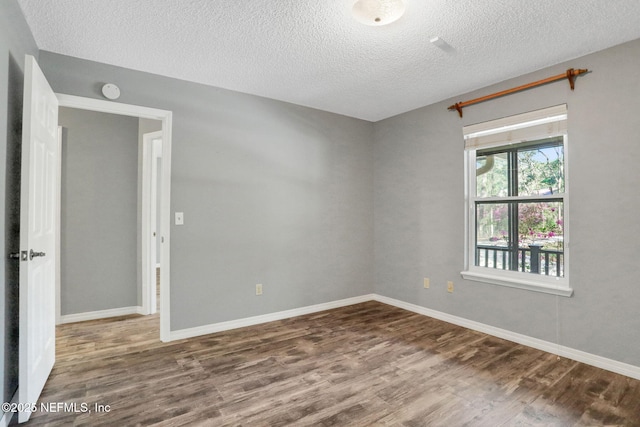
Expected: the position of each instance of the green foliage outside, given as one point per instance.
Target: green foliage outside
(540, 172)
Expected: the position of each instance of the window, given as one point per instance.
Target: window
(517, 201)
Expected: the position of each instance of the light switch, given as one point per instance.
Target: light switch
(179, 218)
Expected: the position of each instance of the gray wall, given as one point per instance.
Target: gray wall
(98, 252)
(272, 193)
(15, 41)
(419, 209)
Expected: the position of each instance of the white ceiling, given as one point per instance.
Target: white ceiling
(313, 53)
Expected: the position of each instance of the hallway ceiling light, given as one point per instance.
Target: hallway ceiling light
(378, 12)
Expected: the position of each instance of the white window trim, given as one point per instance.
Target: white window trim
(513, 279)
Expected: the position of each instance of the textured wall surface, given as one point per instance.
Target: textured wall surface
(272, 193)
(419, 209)
(15, 41)
(99, 221)
(314, 53)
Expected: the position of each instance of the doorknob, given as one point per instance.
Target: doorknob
(33, 254)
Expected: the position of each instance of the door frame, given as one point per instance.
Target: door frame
(165, 116)
(151, 152)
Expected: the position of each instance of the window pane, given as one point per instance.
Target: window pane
(492, 175)
(541, 223)
(541, 238)
(541, 171)
(540, 228)
(492, 231)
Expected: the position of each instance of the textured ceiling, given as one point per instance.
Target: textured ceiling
(313, 53)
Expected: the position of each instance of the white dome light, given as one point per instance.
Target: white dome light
(378, 12)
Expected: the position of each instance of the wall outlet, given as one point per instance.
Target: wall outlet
(449, 286)
(426, 283)
(179, 218)
(258, 289)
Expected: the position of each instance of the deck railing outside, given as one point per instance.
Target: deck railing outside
(531, 259)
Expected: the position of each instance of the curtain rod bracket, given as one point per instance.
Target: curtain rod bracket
(458, 108)
(570, 75)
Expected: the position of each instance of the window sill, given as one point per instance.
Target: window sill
(545, 285)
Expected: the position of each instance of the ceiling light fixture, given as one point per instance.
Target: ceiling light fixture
(378, 12)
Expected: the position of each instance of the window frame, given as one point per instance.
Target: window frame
(503, 139)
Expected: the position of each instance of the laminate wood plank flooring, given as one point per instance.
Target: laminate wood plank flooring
(368, 364)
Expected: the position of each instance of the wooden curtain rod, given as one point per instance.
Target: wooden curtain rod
(569, 75)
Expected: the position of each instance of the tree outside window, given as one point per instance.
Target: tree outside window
(519, 207)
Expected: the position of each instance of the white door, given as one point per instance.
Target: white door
(38, 206)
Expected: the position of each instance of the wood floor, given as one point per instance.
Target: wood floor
(362, 365)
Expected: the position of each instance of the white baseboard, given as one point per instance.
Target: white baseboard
(8, 416)
(255, 320)
(101, 314)
(570, 353)
(553, 348)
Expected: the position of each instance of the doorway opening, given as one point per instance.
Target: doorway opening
(141, 244)
(40, 224)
